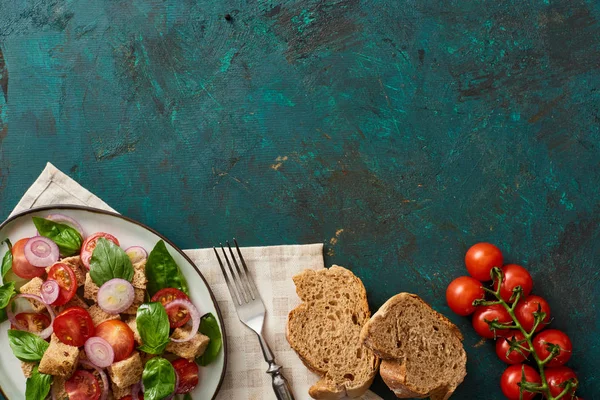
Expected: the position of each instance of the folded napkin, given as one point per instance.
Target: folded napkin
(272, 268)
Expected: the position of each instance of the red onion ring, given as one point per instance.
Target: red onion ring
(194, 314)
(41, 251)
(135, 390)
(115, 296)
(50, 291)
(63, 219)
(136, 254)
(99, 352)
(104, 394)
(45, 334)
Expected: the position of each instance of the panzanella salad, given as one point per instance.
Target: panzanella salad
(92, 321)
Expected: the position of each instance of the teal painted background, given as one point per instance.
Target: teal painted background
(396, 132)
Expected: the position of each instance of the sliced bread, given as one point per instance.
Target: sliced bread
(422, 350)
(324, 330)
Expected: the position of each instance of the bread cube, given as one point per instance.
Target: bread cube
(138, 299)
(59, 359)
(34, 286)
(90, 289)
(27, 368)
(191, 349)
(139, 275)
(126, 372)
(99, 315)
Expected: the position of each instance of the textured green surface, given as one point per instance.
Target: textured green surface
(398, 133)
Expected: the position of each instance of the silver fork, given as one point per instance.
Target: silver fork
(251, 311)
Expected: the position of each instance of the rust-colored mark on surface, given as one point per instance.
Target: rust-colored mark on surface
(480, 343)
(278, 162)
(545, 110)
(333, 241)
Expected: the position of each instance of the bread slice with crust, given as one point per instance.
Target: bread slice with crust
(324, 330)
(422, 350)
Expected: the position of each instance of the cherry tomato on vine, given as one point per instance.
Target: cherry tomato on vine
(512, 376)
(557, 378)
(481, 258)
(461, 293)
(514, 275)
(490, 313)
(514, 357)
(525, 309)
(545, 338)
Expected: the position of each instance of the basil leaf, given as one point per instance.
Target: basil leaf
(162, 271)
(158, 379)
(7, 291)
(210, 327)
(66, 238)
(187, 396)
(38, 385)
(3, 316)
(109, 261)
(6, 260)
(153, 325)
(26, 346)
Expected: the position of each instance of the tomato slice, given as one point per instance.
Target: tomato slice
(33, 322)
(83, 385)
(65, 277)
(73, 326)
(119, 335)
(187, 372)
(20, 265)
(177, 316)
(87, 249)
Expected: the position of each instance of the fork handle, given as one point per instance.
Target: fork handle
(281, 387)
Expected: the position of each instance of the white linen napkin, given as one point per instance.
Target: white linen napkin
(272, 268)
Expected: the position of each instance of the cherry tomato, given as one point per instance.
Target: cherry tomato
(177, 316)
(83, 385)
(20, 265)
(514, 275)
(525, 309)
(461, 293)
(557, 377)
(119, 335)
(65, 277)
(512, 376)
(73, 326)
(33, 322)
(480, 260)
(87, 249)
(553, 336)
(515, 357)
(187, 372)
(491, 313)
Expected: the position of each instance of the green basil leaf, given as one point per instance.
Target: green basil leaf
(158, 379)
(66, 238)
(187, 396)
(210, 327)
(38, 385)
(7, 291)
(6, 260)
(26, 346)
(153, 325)
(162, 271)
(109, 261)
(3, 316)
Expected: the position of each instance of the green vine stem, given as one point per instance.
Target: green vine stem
(542, 388)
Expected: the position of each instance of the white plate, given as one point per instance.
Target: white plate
(129, 233)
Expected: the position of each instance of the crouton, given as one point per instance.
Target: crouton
(58, 388)
(59, 359)
(76, 301)
(191, 349)
(78, 269)
(146, 356)
(99, 315)
(126, 372)
(118, 392)
(27, 368)
(139, 275)
(90, 289)
(133, 325)
(138, 299)
(34, 286)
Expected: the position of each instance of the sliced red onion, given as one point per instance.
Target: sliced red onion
(50, 291)
(99, 352)
(136, 254)
(63, 219)
(135, 390)
(41, 251)
(116, 296)
(11, 315)
(194, 314)
(87, 364)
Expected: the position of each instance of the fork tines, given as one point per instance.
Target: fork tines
(243, 289)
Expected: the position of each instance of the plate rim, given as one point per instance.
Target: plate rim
(133, 221)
